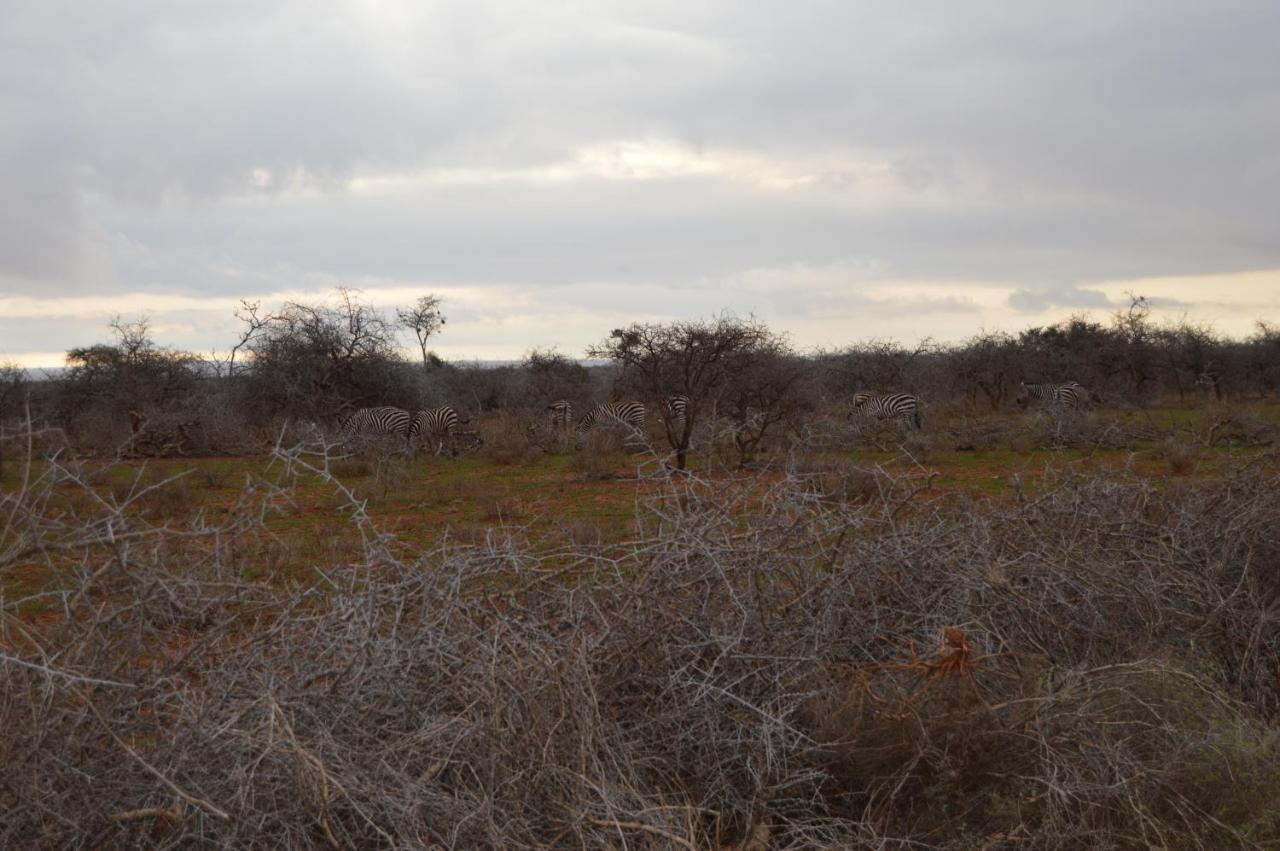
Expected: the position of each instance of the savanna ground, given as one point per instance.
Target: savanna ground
(1007, 631)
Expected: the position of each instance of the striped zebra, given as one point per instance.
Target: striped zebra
(375, 422)
(901, 407)
(630, 414)
(675, 408)
(561, 412)
(1211, 380)
(440, 424)
(1056, 397)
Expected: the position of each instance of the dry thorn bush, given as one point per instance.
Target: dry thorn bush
(507, 440)
(762, 664)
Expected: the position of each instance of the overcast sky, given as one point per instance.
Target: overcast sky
(844, 170)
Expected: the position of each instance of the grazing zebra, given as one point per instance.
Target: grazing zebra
(1053, 396)
(629, 414)
(439, 424)
(675, 408)
(561, 412)
(902, 407)
(1210, 379)
(374, 422)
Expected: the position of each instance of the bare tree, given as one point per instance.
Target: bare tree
(988, 364)
(424, 319)
(13, 389)
(699, 359)
(313, 360)
(1136, 336)
(773, 388)
(253, 324)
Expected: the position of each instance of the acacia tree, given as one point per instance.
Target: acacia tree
(1136, 339)
(131, 372)
(313, 360)
(700, 359)
(424, 319)
(553, 376)
(1262, 361)
(988, 364)
(773, 387)
(13, 389)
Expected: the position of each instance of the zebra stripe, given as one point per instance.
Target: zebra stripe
(675, 408)
(631, 414)
(436, 423)
(1055, 396)
(561, 412)
(371, 422)
(902, 407)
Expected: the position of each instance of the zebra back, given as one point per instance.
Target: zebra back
(376, 421)
(897, 406)
(628, 413)
(675, 408)
(1068, 395)
(561, 412)
(435, 421)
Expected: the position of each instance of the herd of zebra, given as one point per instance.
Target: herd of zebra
(438, 424)
(441, 424)
(904, 408)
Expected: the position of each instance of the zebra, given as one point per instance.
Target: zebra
(438, 423)
(1056, 397)
(630, 414)
(374, 422)
(675, 408)
(902, 407)
(561, 412)
(1210, 379)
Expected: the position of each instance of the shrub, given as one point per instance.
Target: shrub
(1180, 456)
(754, 667)
(602, 455)
(507, 440)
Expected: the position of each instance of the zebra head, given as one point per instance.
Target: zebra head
(859, 399)
(1024, 395)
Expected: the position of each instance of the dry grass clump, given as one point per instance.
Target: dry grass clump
(757, 667)
(1179, 455)
(505, 510)
(839, 480)
(980, 434)
(1225, 425)
(507, 440)
(603, 455)
(355, 467)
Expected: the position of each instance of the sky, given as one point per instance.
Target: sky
(843, 171)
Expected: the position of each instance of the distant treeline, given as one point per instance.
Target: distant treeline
(315, 362)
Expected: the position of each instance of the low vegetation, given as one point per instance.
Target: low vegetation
(831, 652)
(769, 627)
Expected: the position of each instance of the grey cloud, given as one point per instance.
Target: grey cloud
(208, 148)
(1038, 300)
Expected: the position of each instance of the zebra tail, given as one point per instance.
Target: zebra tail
(917, 419)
